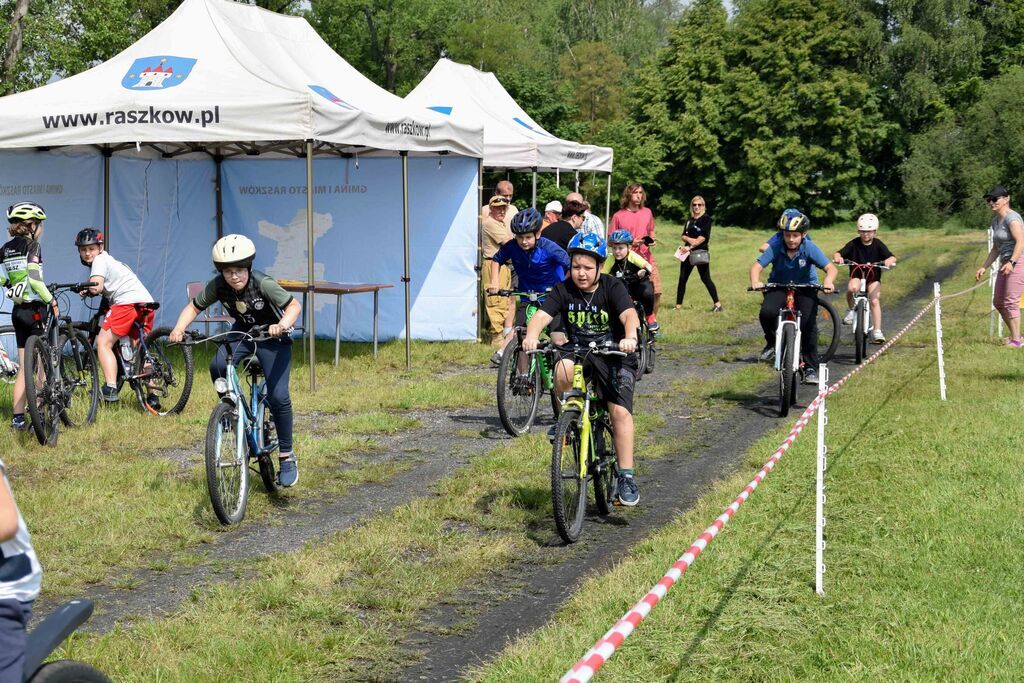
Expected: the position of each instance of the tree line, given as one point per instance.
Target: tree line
(902, 107)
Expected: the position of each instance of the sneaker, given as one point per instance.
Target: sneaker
(848, 318)
(717, 308)
(153, 401)
(767, 355)
(654, 327)
(878, 338)
(1015, 343)
(810, 376)
(289, 474)
(551, 432)
(20, 424)
(109, 394)
(496, 358)
(628, 491)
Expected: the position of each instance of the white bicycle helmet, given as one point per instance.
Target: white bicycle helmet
(233, 250)
(868, 221)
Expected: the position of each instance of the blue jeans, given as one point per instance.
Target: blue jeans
(14, 616)
(276, 358)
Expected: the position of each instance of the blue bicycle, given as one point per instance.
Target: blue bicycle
(240, 433)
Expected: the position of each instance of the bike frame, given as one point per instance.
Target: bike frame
(250, 416)
(578, 398)
(788, 316)
(862, 293)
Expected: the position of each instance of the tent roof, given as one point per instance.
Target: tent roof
(511, 138)
(236, 73)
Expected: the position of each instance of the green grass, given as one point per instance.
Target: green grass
(923, 578)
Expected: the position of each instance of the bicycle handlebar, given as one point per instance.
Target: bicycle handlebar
(877, 264)
(606, 349)
(530, 296)
(261, 335)
(73, 286)
(788, 285)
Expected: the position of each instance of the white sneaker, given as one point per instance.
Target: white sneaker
(848, 318)
(877, 337)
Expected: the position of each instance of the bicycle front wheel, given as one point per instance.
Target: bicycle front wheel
(603, 468)
(827, 323)
(227, 469)
(169, 369)
(40, 386)
(860, 332)
(68, 671)
(518, 390)
(568, 490)
(80, 377)
(787, 376)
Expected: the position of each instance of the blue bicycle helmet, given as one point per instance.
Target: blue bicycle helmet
(590, 244)
(792, 220)
(527, 220)
(620, 237)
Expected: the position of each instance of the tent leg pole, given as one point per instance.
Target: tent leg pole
(534, 203)
(405, 278)
(608, 201)
(576, 182)
(311, 298)
(218, 191)
(107, 153)
(480, 303)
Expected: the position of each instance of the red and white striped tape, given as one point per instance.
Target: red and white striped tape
(603, 649)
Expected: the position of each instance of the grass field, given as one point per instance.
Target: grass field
(922, 579)
(101, 506)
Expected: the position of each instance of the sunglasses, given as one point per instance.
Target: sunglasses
(695, 204)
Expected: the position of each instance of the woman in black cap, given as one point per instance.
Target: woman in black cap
(1007, 246)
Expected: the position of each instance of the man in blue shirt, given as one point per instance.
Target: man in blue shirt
(794, 262)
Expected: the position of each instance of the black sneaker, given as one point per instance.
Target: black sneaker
(551, 432)
(153, 401)
(628, 491)
(767, 354)
(810, 376)
(109, 394)
(20, 424)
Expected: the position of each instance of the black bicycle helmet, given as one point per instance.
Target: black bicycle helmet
(527, 220)
(87, 236)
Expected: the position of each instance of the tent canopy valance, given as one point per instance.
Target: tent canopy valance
(512, 139)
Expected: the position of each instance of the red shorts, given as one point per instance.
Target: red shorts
(120, 319)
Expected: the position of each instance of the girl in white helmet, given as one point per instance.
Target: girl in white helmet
(253, 298)
(866, 248)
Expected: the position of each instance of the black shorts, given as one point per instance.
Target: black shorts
(554, 326)
(614, 377)
(27, 320)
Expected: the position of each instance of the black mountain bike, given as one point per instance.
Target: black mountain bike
(61, 377)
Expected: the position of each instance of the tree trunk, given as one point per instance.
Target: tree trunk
(14, 44)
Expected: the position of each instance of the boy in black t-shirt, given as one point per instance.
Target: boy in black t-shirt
(866, 249)
(596, 307)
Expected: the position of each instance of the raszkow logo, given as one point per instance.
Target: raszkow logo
(158, 73)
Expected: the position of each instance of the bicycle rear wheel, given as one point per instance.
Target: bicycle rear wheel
(169, 376)
(8, 373)
(40, 390)
(787, 375)
(827, 324)
(68, 671)
(518, 392)
(80, 376)
(227, 470)
(568, 490)
(604, 467)
(267, 461)
(643, 349)
(860, 332)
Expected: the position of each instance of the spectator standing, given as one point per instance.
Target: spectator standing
(696, 237)
(634, 216)
(1007, 246)
(561, 232)
(503, 189)
(591, 223)
(496, 232)
(552, 213)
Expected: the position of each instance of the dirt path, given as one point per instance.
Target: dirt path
(526, 594)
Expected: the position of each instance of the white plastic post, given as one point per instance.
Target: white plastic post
(938, 342)
(819, 523)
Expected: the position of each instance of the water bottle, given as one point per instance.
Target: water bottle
(127, 352)
(7, 366)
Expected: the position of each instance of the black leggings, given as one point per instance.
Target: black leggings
(685, 268)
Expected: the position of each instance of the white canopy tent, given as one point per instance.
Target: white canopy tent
(247, 82)
(512, 139)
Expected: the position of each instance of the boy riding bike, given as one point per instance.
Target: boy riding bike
(634, 270)
(129, 300)
(21, 272)
(20, 578)
(866, 249)
(596, 307)
(794, 263)
(539, 265)
(253, 298)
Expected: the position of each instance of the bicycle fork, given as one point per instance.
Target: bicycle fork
(779, 336)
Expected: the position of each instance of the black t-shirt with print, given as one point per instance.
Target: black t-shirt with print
(855, 250)
(590, 317)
